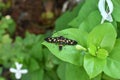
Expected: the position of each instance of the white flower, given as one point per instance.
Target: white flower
(65, 5)
(18, 72)
(7, 16)
(105, 12)
(78, 1)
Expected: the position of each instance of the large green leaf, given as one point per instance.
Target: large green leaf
(116, 11)
(93, 65)
(103, 36)
(112, 67)
(69, 53)
(62, 22)
(69, 71)
(87, 8)
(91, 21)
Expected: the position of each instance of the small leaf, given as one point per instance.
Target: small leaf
(62, 22)
(33, 64)
(93, 65)
(36, 51)
(92, 50)
(112, 67)
(102, 53)
(6, 39)
(2, 31)
(3, 25)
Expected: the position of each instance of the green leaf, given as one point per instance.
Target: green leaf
(103, 36)
(8, 23)
(69, 71)
(2, 31)
(33, 64)
(11, 24)
(87, 8)
(78, 73)
(49, 59)
(36, 51)
(93, 65)
(61, 71)
(32, 39)
(92, 49)
(6, 52)
(2, 5)
(112, 67)
(29, 40)
(102, 53)
(97, 77)
(62, 22)
(2, 78)
(36, 75)
(1, 70)
(93, 19)
(118, 30)
(106, 77)
(69, 53)
(3, 25)
(116, 10)
(6, 39)
(12, 27)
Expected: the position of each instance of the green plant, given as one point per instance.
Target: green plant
(100, 55)
(95, 57)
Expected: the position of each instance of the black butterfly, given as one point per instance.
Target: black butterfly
(61, 41)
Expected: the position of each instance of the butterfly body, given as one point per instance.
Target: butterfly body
(61, 41)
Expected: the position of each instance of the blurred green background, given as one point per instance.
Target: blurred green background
(23, 26)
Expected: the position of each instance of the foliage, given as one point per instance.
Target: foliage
(101, 42)
(95, 57)
(29, 51)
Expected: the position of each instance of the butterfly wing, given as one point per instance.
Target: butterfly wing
(69, 42)
(51, 39)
